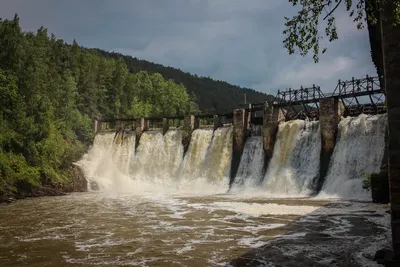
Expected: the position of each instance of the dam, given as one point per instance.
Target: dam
(239, 189)
(294, 149)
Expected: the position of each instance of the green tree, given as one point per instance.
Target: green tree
(303, 31)
(194, 107)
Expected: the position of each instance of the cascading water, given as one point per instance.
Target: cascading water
(255, 130)
(191, 167)
(358, 152)
(158, 164)
(206, 165)
(124, 150)
(158, 157)
(108, 162)
(219, 156)
(295, 161)
(250, 172)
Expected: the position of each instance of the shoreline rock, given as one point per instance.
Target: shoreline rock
(76, 183)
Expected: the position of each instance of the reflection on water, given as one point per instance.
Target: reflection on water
(149, 230)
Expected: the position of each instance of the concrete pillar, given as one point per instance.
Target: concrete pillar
(247, 121)
(119, 125)
(239, 124)
(330, 111)
(165, 125)
(139, 129)
(272, 117)
(217, 122)
(187, 129)
(97, 126)
(197, 123)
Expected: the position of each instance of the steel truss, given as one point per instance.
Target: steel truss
(300, 103)
(363, 95)
(357, 96)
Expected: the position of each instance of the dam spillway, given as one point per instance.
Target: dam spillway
(160, 164)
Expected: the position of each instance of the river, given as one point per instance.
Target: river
(96, 229)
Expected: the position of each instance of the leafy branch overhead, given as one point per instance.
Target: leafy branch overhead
(315, 20)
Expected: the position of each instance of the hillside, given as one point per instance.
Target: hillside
(50, 91)
(212, 95)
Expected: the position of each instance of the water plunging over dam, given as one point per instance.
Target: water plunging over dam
(295, 162)
(159, 163)
(358, 152)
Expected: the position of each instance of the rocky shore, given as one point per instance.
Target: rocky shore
(76, 182)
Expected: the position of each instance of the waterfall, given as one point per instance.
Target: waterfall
(250, 172)
(219, 156)
(295, 161)
(206, 165)
(255, 130)
(358, 152)
(158, 157)
(108, 162)
(195, 156)
(124, 150)
(160, 165)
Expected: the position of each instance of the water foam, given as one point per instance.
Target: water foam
(250, 171)
(295, 161)
(358, 152)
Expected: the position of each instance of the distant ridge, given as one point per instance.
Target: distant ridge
(212, 96)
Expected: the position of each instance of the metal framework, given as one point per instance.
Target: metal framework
(357, 95)
(300, 103)
(361, 96)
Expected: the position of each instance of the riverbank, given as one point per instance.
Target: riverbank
(75, 182)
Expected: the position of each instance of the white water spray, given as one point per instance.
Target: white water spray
(158, 157)
(250, 171)
(295, 161)
(358, 152)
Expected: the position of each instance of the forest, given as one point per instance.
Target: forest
(213, 97)
(51, 90)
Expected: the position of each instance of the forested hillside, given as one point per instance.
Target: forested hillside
(49, 91)
(212, 96)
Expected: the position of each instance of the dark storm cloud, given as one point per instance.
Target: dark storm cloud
(233, 40)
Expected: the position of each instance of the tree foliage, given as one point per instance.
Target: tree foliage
(50, 90)
(316, 19)
(211, 96)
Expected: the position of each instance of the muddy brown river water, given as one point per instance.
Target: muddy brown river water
(94, 229)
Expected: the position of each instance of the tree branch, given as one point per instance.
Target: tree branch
(333, 10)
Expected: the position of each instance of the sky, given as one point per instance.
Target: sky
(238, 41)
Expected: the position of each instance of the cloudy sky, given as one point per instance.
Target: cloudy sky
(239, 41)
